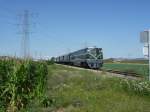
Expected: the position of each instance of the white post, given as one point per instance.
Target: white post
(145, 38)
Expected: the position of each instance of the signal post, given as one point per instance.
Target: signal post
(145, 38)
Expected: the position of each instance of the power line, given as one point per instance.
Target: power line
(8, 10)
(5, 19)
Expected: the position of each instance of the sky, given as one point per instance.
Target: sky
(61, 26)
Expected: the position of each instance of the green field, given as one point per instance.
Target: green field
(141, 69)
(73, 90)
(111, 60)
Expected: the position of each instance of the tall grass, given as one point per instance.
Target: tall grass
(20, 82)
(74, 90)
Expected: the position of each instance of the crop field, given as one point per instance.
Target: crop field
(73, 90)
(20, 83)
(140, 69)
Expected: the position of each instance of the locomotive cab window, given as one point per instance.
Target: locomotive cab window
(88, 56)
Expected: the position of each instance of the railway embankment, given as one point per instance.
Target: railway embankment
(110, 73)
(74, 89)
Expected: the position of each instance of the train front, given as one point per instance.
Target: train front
(94, 58)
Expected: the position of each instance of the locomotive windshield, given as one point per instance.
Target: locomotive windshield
(99, 53)
(95, 53)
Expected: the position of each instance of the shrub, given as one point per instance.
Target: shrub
(137, 87)
(50, 62)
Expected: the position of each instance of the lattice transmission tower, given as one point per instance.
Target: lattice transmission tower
(25, 44)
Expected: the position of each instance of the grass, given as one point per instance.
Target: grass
(72, 90)
(140, 69)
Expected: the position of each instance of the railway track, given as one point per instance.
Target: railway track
(117, 73)
(125, 73)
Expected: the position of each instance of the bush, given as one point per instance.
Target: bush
(50, 62)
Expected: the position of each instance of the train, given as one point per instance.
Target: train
(90, 57)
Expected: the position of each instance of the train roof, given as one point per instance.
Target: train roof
(92, 47)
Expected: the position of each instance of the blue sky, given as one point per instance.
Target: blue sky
(67, 25)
